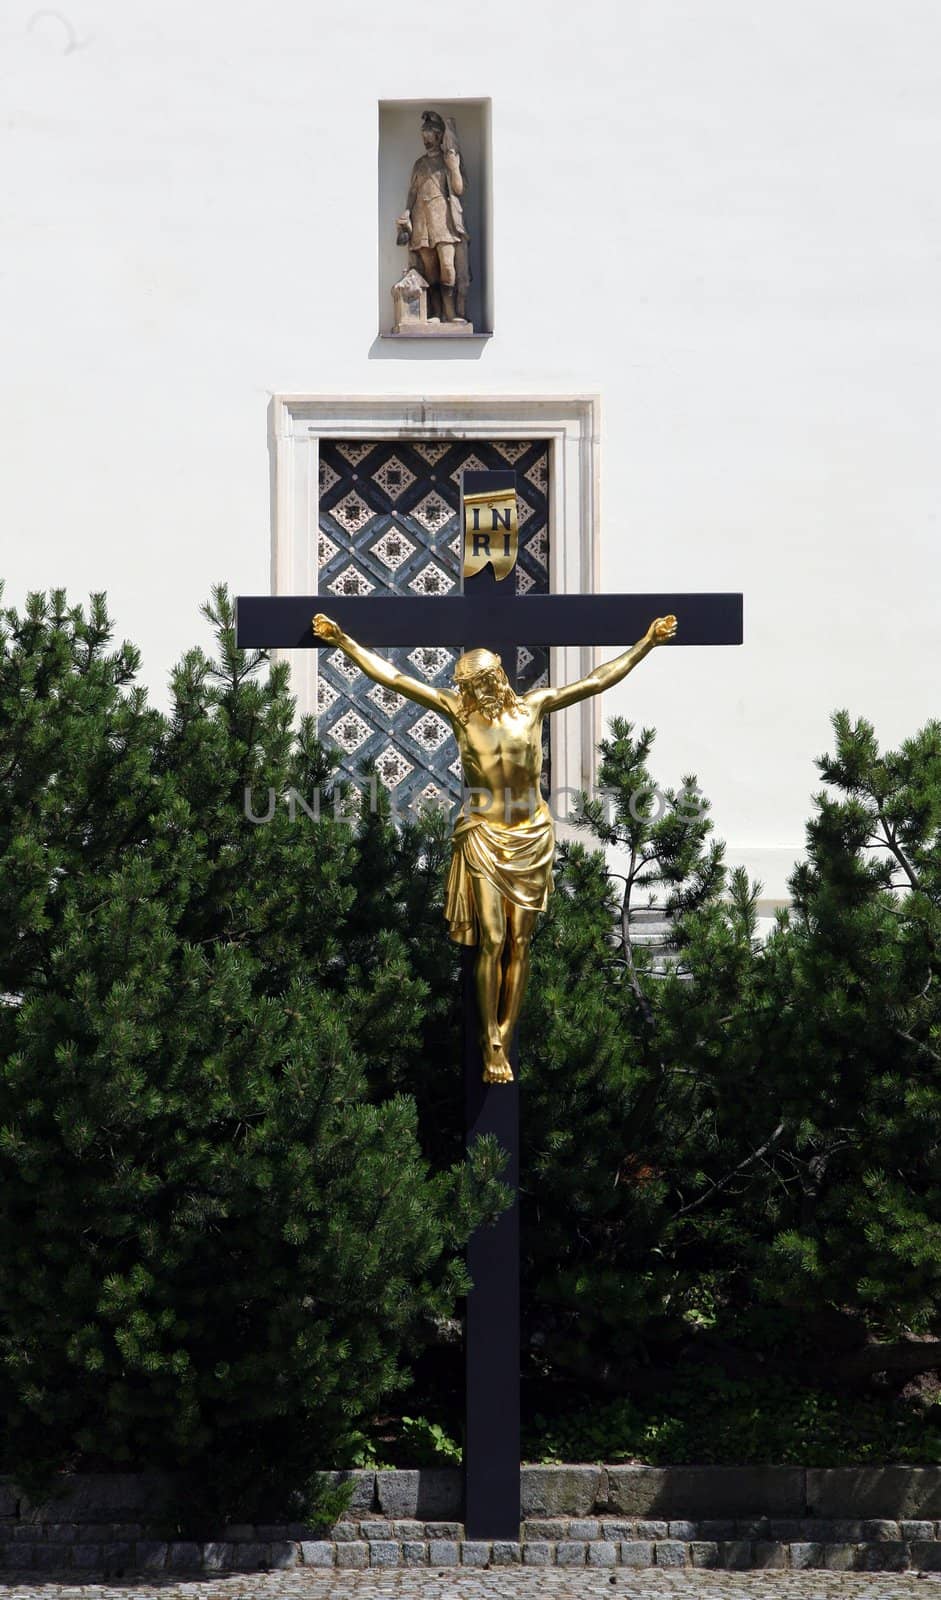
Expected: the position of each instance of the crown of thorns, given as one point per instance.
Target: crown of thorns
(431, 119)
(475, 661)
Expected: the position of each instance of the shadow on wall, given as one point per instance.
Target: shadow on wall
(389, 347)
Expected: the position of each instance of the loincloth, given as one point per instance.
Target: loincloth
(515, 858)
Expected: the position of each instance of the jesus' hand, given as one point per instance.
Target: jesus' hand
(325, 628)
(661, 630)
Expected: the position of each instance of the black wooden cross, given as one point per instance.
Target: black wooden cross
(491, 615)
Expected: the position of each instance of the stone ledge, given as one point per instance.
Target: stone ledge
(673, 1492)
(658, 1495)
(909, 1493)
(434, 1493)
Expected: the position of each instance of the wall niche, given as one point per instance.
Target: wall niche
(418, 258)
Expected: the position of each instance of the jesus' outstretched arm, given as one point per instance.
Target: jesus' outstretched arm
(661, 630)
(444, 701)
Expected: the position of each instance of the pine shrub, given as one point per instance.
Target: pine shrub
(220, 1236)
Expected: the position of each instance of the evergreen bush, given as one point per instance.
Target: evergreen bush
(234, 1195)
(219, 1238)
(731, 1150)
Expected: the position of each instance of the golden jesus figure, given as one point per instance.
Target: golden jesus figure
(504, 844)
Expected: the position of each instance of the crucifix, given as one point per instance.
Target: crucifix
(501, 870)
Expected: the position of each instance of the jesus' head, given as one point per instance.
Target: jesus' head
(483, 684)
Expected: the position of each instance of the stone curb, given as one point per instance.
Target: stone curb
(884, 1552)
(838, 1519)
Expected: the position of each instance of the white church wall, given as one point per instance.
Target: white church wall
(723, 219)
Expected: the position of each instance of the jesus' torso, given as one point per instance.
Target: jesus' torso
(502, 760)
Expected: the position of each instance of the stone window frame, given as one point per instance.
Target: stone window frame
(570, 425)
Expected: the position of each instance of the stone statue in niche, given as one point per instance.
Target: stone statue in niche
(432, 228)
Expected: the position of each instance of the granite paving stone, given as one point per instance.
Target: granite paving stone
(805, 1555)
(150, 1555)
(11, 1557)
(317, 1553)
(670, 1553)
(879, 1528)
(352, 1555)
(475, 1552)
(570, 1553)
(584, 1528)
(51, 1557)
(848, 1531)
(182, 1556)
(736, 1554)
(546, 1528)
(119, 1557)
(636, 1553)
(889, 1555)
(769, 1553)
(86, 1555)
(249, 1557)
(788, 1529)
(841, 1557)
(218, 1555)
(384, 1553)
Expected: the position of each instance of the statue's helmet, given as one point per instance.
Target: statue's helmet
(475, 661)
(431, 119)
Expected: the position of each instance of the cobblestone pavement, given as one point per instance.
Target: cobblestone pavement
(553, 1583)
